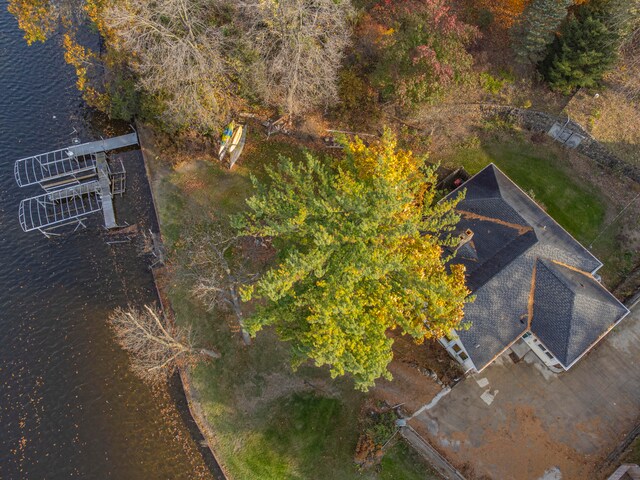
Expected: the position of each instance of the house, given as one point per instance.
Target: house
(535, 285)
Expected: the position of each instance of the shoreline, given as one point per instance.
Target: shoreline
(194, 407)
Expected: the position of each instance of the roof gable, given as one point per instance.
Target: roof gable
(571, 310)
(500, 233)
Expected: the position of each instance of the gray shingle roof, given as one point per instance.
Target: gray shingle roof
(571, 310)
(510, 234)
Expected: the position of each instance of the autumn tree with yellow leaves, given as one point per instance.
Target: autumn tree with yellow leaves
(504, 12)
(41, 19)
(36, 18)
(360, 255)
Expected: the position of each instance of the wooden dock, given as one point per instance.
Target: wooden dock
(104, 145)
(105, 191)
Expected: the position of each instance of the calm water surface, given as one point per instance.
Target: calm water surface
(69, 407)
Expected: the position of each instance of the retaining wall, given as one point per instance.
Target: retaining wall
(535, 121)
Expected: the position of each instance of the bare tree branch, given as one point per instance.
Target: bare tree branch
(217, 274)
(299, 46)
(155, 348)
(176, 48)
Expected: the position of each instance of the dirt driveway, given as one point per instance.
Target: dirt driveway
(519, 421)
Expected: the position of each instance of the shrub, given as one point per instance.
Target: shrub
(490, 83)
(422, 51)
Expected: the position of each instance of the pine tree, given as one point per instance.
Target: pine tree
(360, 255)
(536, 27)
(583, 52)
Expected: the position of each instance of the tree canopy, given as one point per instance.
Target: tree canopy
(190, 64)
(583, 51)
(504, 12)
(536, 27)
(360, 243)
(421, 49)
(297, 48)
(178, 50)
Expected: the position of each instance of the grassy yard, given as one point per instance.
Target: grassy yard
(537, 169)
(576, 203)
(269, 422)
(632, 455)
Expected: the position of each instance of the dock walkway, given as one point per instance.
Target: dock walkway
(104, 145)
(105, 191)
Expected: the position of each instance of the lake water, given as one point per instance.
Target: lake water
(69, 406)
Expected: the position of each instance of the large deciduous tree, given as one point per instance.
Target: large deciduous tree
(298, 47)
(39, 19)
(422, 49)
(504, 12)
(176, 47)
(360, 256)
(155, 347)
(212, 257)
(536, 27)
(36, 18)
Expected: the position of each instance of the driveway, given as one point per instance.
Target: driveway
(520, 421)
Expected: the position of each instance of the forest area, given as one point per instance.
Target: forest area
(297, 278)
(193, 64)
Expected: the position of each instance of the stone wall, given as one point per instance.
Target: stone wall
(542, 122)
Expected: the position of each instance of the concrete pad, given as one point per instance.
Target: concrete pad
(552, 474)
(488, 397)
(482, 382)
(520, 348)
(542, 423)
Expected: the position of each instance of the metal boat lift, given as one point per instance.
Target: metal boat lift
(66, 206)
(53, 169)
(78, 181)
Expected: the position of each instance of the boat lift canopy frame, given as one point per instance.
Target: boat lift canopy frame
(62, 207)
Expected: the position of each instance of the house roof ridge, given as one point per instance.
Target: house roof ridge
(577, 295)
(533, 202)
(591, 278)
(544, 261)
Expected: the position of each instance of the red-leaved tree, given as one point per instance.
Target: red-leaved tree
(422, 50)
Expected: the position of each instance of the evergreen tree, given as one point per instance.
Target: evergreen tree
(360, 255)
(536, 27)
(585, 49)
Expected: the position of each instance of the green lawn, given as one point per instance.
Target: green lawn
(536, 168)
(401, 462)
(633, 454)
(269, 423)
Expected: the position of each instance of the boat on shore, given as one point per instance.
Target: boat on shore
(232, 142)
(224, 141)
(237, 144)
